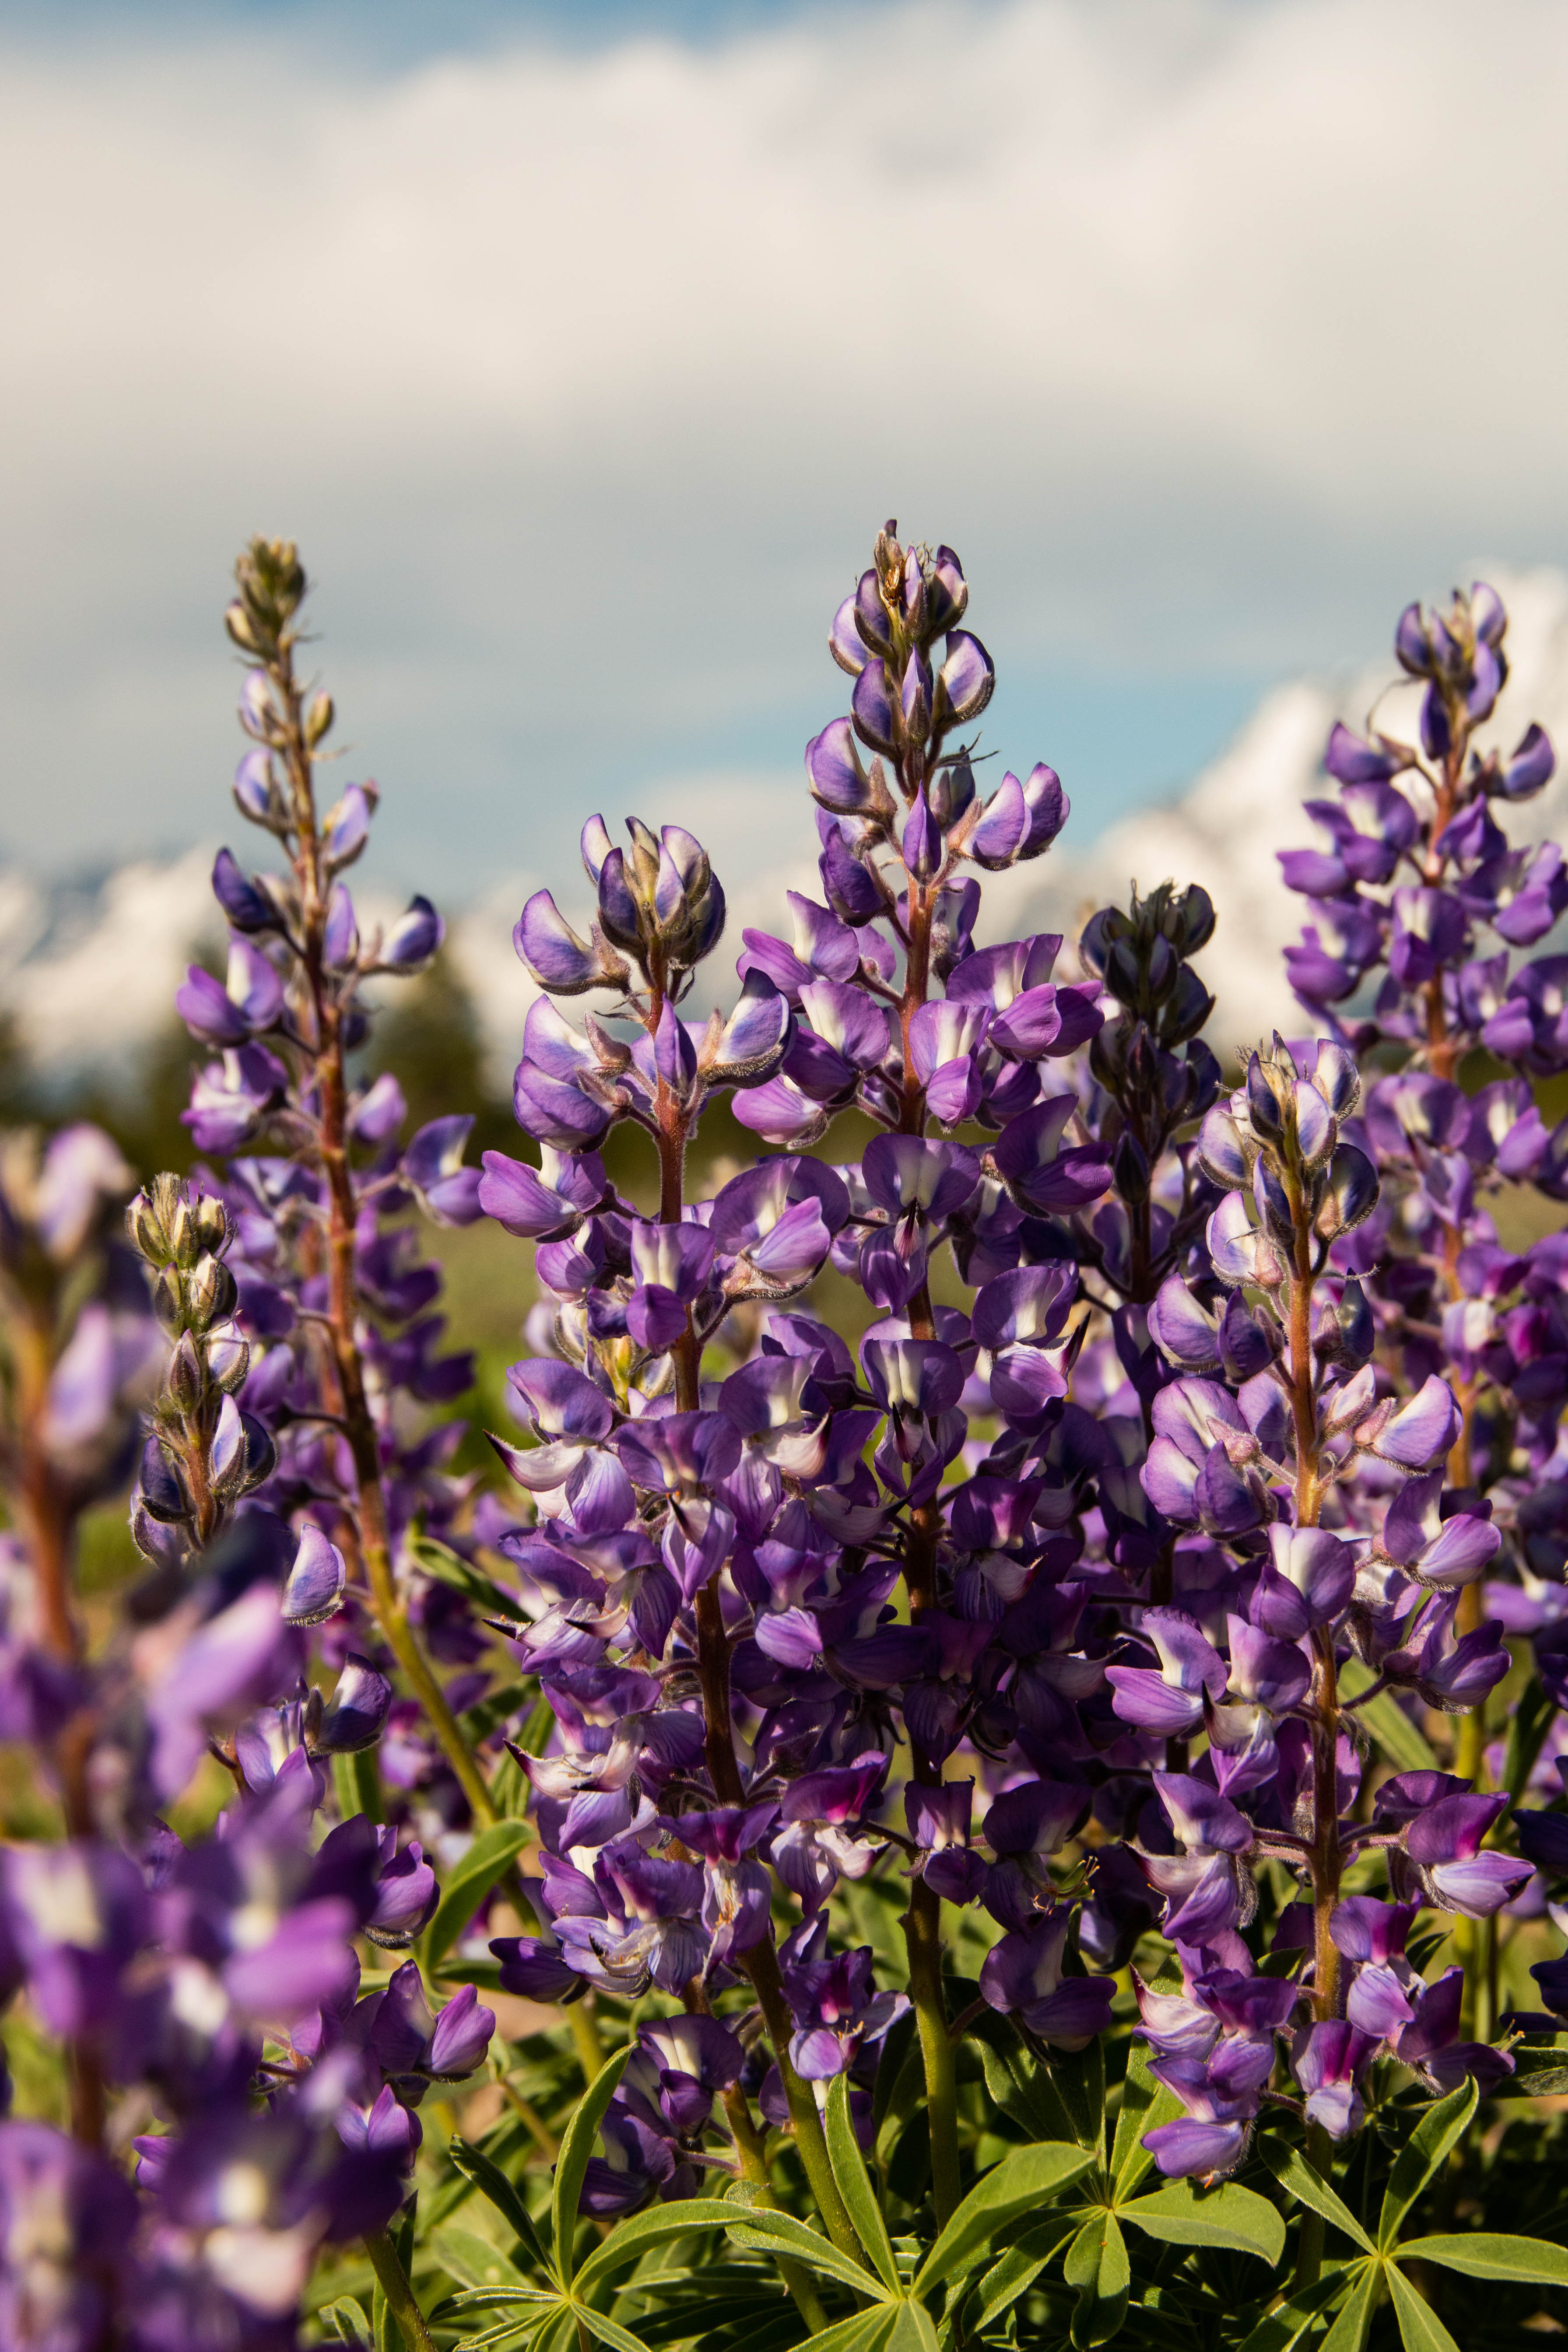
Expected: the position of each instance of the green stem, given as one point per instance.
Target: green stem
(922, 1937)
(392, 2280)
(1310, 2246)
(591, 2051)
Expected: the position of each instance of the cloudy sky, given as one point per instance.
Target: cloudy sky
(584, 348)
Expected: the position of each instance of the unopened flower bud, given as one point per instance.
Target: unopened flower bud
(1264, 1109)
(237, 621)
(1130, 1165)
(184, 1381)
(319, 717)
(184, 1241)
(210, 1292)
(146, 1231)
(260, 1453)
(168, 1299)
(211, 1222)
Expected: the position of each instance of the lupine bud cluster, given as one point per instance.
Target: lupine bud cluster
(206, 1453)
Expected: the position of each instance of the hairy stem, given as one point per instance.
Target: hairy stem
(358, 1426)
(392, 2280)
(923, 1920)
(1326, 1860)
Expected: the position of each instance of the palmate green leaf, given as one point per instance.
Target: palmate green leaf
(1183, 2215)
(491, 2339)
(1023, 2090)
(1437, 2133)
(492, 2184)
(345, 2317)
(607, 2330)
(1078, 2077)
(1016, 2272)
(1385, 1719)
(577, 2148)
(1292, 2171)
(1529, 1720)
(1353, 2326)
(855, 2183)
(534, 2299)
(629, 2240)
(1283, 2329)
(1484, 2254)
(492, 1852)
(760, 2230)
(1019, 2183)
(1420, 2329)
(471, 2260)
(865, 2331)
(912, 2329)
(1098, 2267)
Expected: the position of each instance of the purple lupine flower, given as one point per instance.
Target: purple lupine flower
(836, 2008)
(1023, 1973)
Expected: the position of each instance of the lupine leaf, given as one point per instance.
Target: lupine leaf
(864, 2331)
(490, 2339)
(472, 2259)
(347, 2319)
(1292, 2171)
(1016, 2272)
(855, 2183)
(1020, 2181)
(498, 2298)
(1229, 2215)
(912, 2330)
(1400, 1739)
(1353, 2326)
(577, 2148)
(1484, 2254)
(657, 2227)
(1023, 2090)
(608, 2331)
(1539, 2070)
(1098, 2267)
(1529, 1720)
(1420, 2329)
(492, 2183)
(492, 1852)
(1281, 2330)
(1078, 2077)
(768, 2232)
(1438, 2131)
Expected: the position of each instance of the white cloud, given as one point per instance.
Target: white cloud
(1202, 328)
